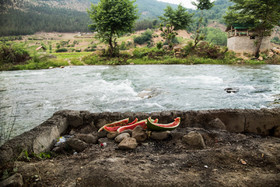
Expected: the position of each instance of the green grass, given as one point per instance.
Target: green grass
(71, 55)
(40, 65)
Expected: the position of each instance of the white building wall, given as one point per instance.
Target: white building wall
(243, 44)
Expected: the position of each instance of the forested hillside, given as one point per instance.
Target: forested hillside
(19, 17)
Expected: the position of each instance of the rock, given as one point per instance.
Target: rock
(74, 119)
(101, 123)
(217, 124)
(129, 131)
(87, 130)
(112, 135)
(260, 58)
(122, 136)
(277, 132)
(160, 135)
(128, 143)
(14, 180)
(194, 139)
(231, 90)
(77, 144)
(270, 54)
(102, 134)
(139, 134)
(88, 138)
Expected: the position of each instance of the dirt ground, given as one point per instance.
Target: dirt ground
(229, 159)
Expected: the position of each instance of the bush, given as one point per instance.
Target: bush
(152, 53)
(207, 50)
(275, 40)
(13, 54)
(159, 45)
(61, 50)
(91, 59)
(123, 46)
(144, 37)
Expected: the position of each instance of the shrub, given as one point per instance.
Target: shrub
(159, 45)
(13, 53)
(91, 59)
(144, 37)
(123, 46)
(61, 50)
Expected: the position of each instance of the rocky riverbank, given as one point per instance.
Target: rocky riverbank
(209, 148)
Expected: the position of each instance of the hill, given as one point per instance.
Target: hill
(21, 17)
(29, 16)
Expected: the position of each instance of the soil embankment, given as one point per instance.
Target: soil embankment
(209, 148)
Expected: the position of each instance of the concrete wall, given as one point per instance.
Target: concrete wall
(241, 44)
(43, 137)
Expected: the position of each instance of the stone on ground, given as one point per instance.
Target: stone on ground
(128, 143)
(77, 144)
(112, 135)
(194, 139)
(217, 124)
(122, 136)
(139, 134)
(88, 138)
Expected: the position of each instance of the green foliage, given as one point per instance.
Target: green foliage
(61, 50)
(151, 53)
(259, 15)
(215, 36)
(174, 19)
(91, 59)
(111, 19)
(41, 18)
(13, 53)
(123, 46)
(201, 5)
(146, 24)
(159, 45)
(144, 37)
(76, 62)
(91, 47)
(275, 40)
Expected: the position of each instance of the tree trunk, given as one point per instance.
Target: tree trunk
(258, 46)
(111, 47)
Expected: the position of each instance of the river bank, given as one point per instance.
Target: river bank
(240, 147)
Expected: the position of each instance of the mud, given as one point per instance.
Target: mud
(247, 153)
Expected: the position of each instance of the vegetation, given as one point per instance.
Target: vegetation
(27, 17)
(144, 37)
(111, 19)
(201, 5)
(214, 36)
(275, 40)
(260, 15)
(174, 20)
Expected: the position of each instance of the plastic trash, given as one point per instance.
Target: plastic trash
(62, 139)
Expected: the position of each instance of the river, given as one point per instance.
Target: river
(30, 97)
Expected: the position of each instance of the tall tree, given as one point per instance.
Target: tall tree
(174, 19)
(201, 5)
(111, 19)
(260, 15)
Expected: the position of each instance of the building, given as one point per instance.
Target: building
(242, 40)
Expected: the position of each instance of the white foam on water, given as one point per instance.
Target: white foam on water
(199, 79)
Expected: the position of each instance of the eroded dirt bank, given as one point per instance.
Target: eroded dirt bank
(209, 148)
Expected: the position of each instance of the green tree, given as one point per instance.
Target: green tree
(174, 20)
(201, 5)
(260, 15)
(111, 19)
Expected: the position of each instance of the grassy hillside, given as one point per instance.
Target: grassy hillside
(26, 17)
